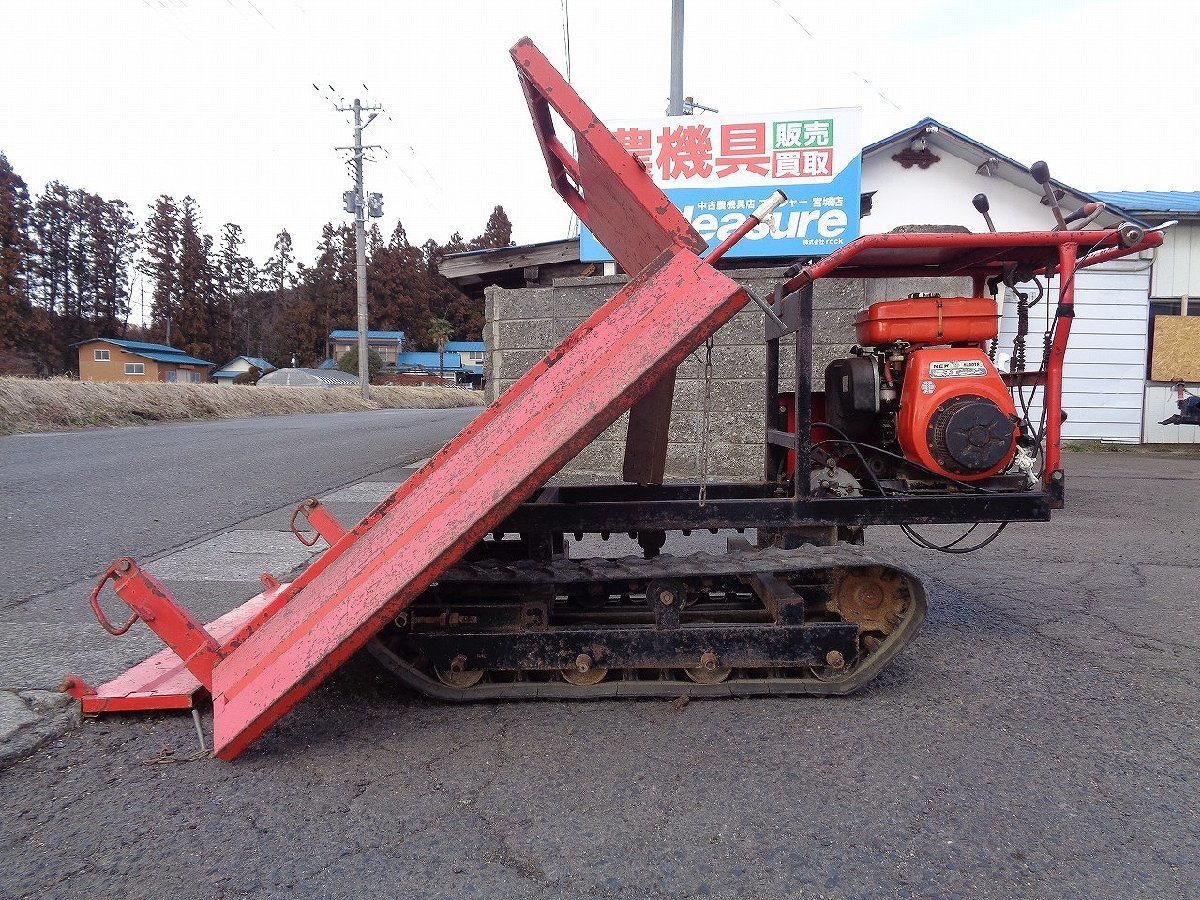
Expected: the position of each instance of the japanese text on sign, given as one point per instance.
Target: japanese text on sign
(716, 169)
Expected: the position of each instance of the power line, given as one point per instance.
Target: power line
(567, 38)
(863, 78)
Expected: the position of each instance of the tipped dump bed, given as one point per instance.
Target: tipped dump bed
(468, 488)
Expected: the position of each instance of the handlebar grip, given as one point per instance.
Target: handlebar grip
(1086, 210)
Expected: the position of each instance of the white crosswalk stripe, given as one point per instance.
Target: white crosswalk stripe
(363, 492)
(236, 556)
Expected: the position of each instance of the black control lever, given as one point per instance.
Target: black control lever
(981, 204)
(1041, 174)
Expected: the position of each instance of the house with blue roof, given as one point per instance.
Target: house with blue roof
(240, 365)
(448, 365)
(113, 359)
(428, 363)
(472, 354)
(386, 343)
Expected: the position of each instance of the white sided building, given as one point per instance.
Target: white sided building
(928, 175)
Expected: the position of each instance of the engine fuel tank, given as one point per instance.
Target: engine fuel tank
(927, 320)
(956, 416)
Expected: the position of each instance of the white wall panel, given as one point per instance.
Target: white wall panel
(1177, 268)
(1105, 368)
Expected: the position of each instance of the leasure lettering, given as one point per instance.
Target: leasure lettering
(821, 226)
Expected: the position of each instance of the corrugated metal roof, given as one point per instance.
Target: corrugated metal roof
(1183, 202)
(133, 345)
(178, 357)
(465, 346)
(427, 361)
(345, 335)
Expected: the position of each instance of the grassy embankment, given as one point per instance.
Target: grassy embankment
(31, 404)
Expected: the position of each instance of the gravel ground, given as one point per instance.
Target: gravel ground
(1038, 739)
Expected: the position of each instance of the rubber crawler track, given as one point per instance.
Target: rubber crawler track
(742, 683)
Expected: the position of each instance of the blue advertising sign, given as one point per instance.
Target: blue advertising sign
(717, 169)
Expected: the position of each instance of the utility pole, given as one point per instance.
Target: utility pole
(357, 202)
(675, 104)
(679, 105)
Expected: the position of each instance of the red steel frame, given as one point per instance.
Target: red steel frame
(261, 659)
(982, 255)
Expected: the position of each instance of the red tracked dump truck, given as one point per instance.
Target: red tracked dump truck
(459, 581)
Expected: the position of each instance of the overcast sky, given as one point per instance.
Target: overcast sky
(215, 98)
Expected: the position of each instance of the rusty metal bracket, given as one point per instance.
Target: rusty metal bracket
(151, 603)
(296, 513)
(321, 520)
(112, 572)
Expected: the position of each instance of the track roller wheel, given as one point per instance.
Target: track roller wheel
(708, 672)
(708, 676)
(584, 672)
(834, 669)
(591, 676)
(458, 677)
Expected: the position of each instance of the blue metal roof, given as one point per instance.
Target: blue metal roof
(156, 352)
(134, 346)
(465, 346)
(347, 335)
(178, 357)
(1183, 202)
(427, 361)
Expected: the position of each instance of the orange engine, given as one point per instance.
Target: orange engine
(921, 384)
(956, 416)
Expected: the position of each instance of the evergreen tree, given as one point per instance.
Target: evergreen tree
(196, 308)
(235, 295)
(22, 329)
(397, 289)
(113, 234)
(275, 294)
(324, 298)
(161, 238)
(84, 248)
(56, 232)
(280, 271)
(497, 233)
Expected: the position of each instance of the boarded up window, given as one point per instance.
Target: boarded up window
(1176, 354)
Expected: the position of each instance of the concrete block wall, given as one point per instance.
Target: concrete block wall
(524, 324)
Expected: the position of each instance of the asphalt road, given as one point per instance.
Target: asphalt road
(75, 501)
(1038, 739)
